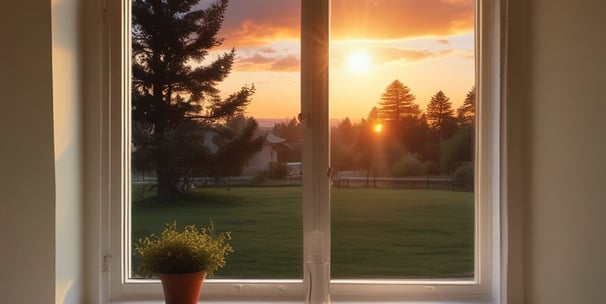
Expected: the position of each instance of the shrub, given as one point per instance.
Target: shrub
(464, 175)
(409, 165)
(277, 171)
(456, 149)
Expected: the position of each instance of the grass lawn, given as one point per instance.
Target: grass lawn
(377, 233)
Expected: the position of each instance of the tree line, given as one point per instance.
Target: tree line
(437, 140)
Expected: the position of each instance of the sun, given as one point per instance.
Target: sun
(378, 128)
(359, 62)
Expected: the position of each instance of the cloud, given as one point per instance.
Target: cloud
(250, 33)
(443, 41)
(259, 62)
(397, 19)
(288, 63)
(469, 55)
(254, 23)
(397, 55)
(385, 55)
(444, 53)
(268, 50)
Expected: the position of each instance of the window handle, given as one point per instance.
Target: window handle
(329, 172)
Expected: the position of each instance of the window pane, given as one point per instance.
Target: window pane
(402, 105)
(214, 135)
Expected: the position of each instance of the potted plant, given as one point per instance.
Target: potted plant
(182, 259)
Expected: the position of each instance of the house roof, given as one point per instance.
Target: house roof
(272, 138)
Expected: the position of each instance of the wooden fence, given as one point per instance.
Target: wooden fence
(426, 182)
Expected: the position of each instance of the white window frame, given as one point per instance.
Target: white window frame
(486, 287)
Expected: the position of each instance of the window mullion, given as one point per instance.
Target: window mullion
(316, 163)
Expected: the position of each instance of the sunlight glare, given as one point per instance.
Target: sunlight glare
(359, 62)
(378, 128)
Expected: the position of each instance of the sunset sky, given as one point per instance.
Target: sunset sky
(426, 44)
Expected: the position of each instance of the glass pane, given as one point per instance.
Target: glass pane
(402, 105)
(213, 131)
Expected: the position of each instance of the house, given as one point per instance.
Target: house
(268, 153)
(50, 83)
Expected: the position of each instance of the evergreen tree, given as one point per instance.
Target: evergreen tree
(373, 118)
(440, 115)
(342, 138)
(363, 150)
(175, 101)
(467, 111)
(292, 130)
(400, 115)
(397, 102)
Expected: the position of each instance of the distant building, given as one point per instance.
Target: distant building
(275, 149)
(273, 146)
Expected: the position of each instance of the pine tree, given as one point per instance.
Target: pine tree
(291, 130)
(397, 102)
(467, 111)
(440, 115)
(175, 101)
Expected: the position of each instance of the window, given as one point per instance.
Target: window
(315, 259)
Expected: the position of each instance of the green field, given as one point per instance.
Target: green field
(376, 233)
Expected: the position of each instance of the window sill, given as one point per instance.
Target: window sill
(300, 302)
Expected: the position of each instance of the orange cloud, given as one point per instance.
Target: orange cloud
(395, 54)
(389, 55)
(251, 33)
(396, 19)
(254, 23)
(289, 63)
(259, 62)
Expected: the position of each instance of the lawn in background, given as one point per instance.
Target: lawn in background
(376, 233)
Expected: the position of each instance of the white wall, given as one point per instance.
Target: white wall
(40, 133)
(27, 163)
(558, 75)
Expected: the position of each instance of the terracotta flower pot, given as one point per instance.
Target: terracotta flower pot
(182, 288)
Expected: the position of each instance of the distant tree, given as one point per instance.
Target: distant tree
(345, 131)
(363, 146)
(342, 138)
(397, 102)
(175, 101)
(440, 115)
(466, 113)
(456, 150)
(402, 118)
(419, 140)
(290, 130)
(236, 144)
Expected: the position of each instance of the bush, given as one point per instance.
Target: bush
(456, 149)
(464, 175)
(260, 177)
(409, 165)
(277, 171)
